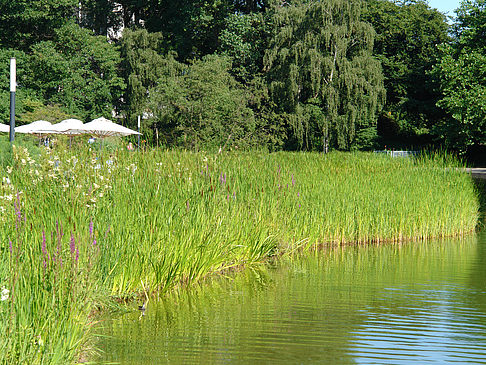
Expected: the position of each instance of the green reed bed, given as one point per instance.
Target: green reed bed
(87, 227)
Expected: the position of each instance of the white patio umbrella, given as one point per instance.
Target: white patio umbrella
(69, 126)
(102, 127)
(4, 128)
(38, 127)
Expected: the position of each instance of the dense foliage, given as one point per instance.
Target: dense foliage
(462, 73)
(308, 74)
(408, 33)
(322, 72)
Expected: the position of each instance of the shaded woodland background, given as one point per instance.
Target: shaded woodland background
(236, 74)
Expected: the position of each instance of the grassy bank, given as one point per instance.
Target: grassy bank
(81, 227)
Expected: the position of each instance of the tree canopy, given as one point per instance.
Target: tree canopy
(202, 106)
(408, 33)
(321, 71)
(462, 74)
(298, 74)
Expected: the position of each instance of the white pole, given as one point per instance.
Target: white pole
(13, 87)
(139, 131)
(13, 75)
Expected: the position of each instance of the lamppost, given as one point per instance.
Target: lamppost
(13, 86)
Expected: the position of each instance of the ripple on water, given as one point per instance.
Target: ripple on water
(424, 303)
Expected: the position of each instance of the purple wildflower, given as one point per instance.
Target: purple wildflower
(72, 244)
(77, 254)
(91, 228)
(17, 206)
(44, 250)
(293, 181)
(18, 213)
(94, 242)
(10, 245)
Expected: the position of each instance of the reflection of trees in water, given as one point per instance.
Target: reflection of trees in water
(305, 310)
(477, 278)
(480, 186)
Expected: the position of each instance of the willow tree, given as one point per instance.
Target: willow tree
(322, 73)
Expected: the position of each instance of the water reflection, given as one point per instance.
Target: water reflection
(413, 303)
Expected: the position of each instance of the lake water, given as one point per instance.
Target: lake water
(415, 303)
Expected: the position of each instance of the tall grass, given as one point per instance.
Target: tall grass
(87, 225)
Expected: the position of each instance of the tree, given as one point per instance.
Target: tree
(407, 36)
(142, 66)
(462, 74)
(463, 84)
(25, 96)
(470, 24)
(24, 23)
(250, 6)
(243, 40)
(78, 71)
(99, 16)
(191, 27)
(321, 71)
(202, 106)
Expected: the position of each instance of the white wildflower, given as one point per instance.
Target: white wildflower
(132, 167)
(4, 294)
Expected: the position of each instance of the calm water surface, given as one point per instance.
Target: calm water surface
(417, 303)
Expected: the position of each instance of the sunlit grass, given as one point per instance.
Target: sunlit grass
(156, 220)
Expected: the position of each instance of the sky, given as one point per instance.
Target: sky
(445, 6)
